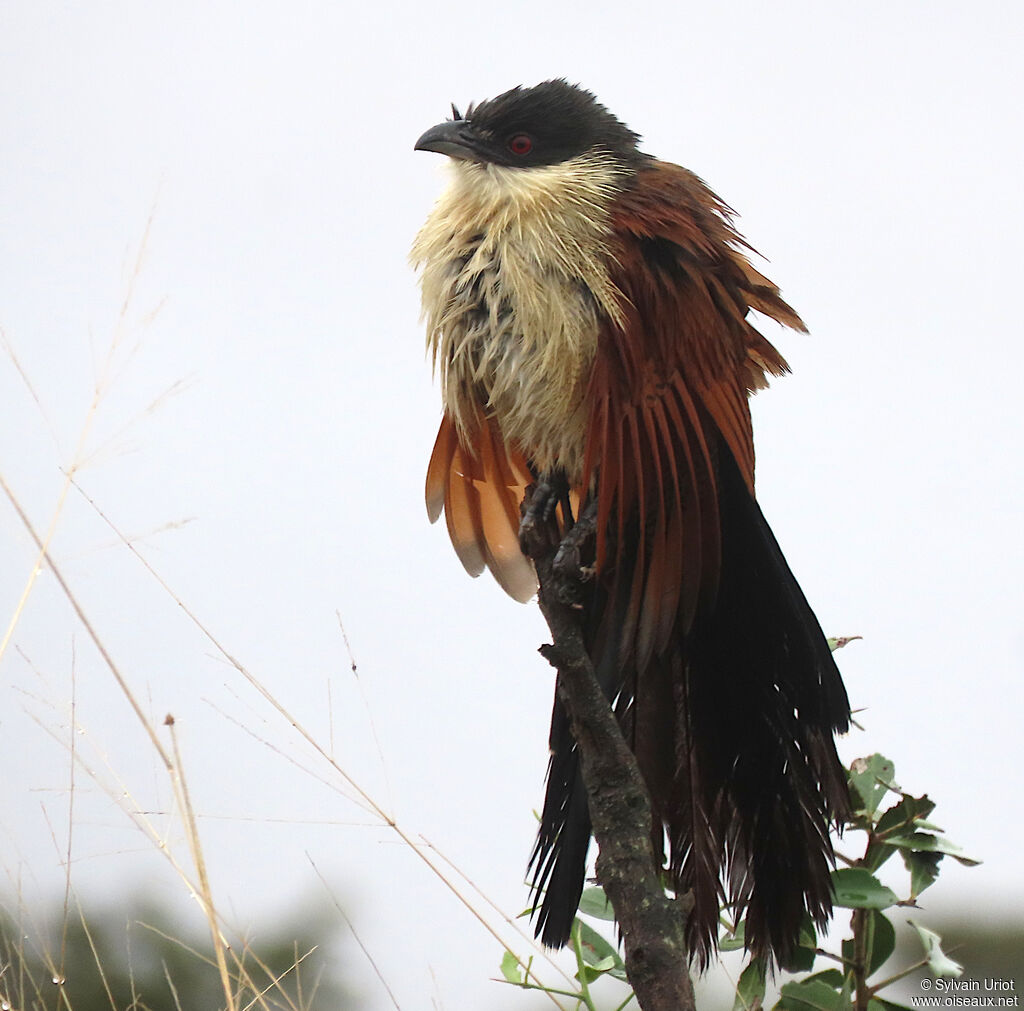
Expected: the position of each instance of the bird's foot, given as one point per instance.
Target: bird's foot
(568, 564)
(538, 526)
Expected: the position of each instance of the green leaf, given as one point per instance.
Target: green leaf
(808, 936)
(939, 963)
(801, 960)
(750, 988)
(907, 812)
(511, 969)
(871, 779)
(857, 888)
(925, 842)
(596, 950)
(592, 972)
(881, 940)
(832, 977)
(880, 1004)
(799, 996)
(924, 869)
(733, 942)
(875, 855)
(595, 903)
(594, 946)
(846, 990)
(894, 824)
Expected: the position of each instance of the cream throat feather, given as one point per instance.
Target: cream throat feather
(514, 277)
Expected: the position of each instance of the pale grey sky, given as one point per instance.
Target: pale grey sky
(874, 154)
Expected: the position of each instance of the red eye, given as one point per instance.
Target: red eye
(520, 144)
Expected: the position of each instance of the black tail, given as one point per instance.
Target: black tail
(733, 725)
(559, 857)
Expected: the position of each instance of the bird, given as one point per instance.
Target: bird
(590, 313)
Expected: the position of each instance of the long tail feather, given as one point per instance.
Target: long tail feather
(764, 700)
(732, 724)
(559, 857)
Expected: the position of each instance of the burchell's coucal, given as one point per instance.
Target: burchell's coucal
(588, 307)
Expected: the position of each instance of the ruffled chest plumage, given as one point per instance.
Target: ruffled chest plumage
(515, 285)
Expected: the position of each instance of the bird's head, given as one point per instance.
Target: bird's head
(532, 127)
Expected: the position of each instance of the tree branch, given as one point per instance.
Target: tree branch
(651, 924)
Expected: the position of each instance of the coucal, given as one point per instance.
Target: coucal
(588, 309)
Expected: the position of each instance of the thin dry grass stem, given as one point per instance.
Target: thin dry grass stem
(379, 812)
(387, 819)
(171, 986)
(56, 966)
(242, 973)
(177, 942)
(355, 933)
(199, 862)
(15, 991)
(44, 555)
(313, 987)
(71, 806)
(244, 977)
(275, 980)
(126, 691)
(366, 708)
(268, 820)
(99, 390)
(253, 681)
(348, 646)
(292, 760)
(330, 718)
(141, 536)
(96, 959)
(130, 963)
(28, 386)
(435, 997)
(300, 1000)
(513, 922)
(118, 442)
(18, 987)
(120, 795)
(200, 889)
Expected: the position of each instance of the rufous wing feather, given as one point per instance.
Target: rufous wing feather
(479, 486)
(698, 630)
